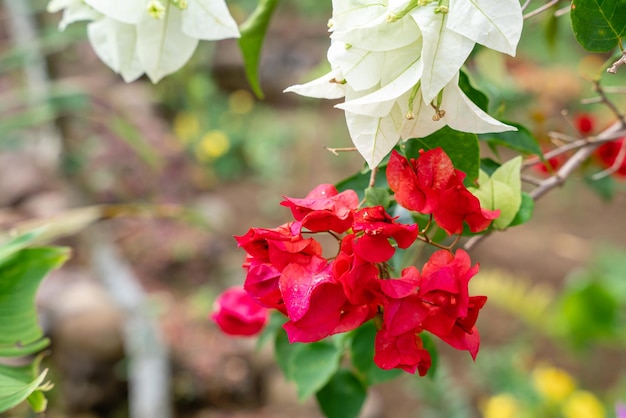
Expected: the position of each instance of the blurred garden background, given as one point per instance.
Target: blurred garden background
(172, 171)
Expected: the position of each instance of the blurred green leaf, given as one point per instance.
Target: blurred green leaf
(343, 396)
(429, 345)
(461, 147)
(271, 330)
(525, 212)
(360, 182)
(521, 140)
(599, 25)
(284, 352)
(478, 97)
(18, 384)
(377, 196)
(312, 366)
(253, 32)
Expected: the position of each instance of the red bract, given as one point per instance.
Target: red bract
(359, 278)
(609, 152)
(584, 123)
(405, 351)
(316, 304)
(324, 209)
(452, 315)
(431, 185)
(237, 313)
(373, 228)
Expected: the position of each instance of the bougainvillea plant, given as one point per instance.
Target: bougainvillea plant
(394, 267)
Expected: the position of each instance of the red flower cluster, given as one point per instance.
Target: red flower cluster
(430, 184)
(613, 153)
(322, 297)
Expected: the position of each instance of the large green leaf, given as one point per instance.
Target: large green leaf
(253, 32)
(343, 396)
(312, 366)
(599, 25)
(21, 272)
(461, 147)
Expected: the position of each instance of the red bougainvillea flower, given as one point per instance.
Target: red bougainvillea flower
(359, 278)
(444, 288)
(373, 228)
(269, 252)
(429, 184)
(584, 122)
(404, 309)
(237, 313)
(316, 304)
(458, 205)
(609, 152)
(324, 209)
(405, 351)
(551, 165)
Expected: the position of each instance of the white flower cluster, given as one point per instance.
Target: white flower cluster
(155, 37)
(397, 64)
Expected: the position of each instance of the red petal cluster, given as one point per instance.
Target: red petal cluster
(322, 297)
(613, 154)
(430, 184)
(237, 313)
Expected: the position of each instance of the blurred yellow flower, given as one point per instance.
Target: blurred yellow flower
(241, 102)
(500, 406)
(583, 404)
(553, 384)
(186, 126)
(213, 145)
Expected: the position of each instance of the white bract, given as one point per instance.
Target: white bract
(397, 64)
(155, 37)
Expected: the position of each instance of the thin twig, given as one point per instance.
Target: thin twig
(336, 151)
(562, 11)
(373, 177)
(531, 180)
(541, 9)
(621, 61)
(619, 115)
(525, 5)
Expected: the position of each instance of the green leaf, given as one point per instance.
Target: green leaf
(461, 147)
(312, 366)
(525, 212)
(18, 384)
(271, 330)
(599, 25)
(488, 166)
(362, 354)
(377, 196)
(605, 187)
(20, 277)
(430, 346)
(360, 181)
(343, 396)
(284, 352)
(502, 191)
(253, 32)
(478, 97)
(521, 140)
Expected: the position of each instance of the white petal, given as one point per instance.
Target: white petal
(78, 13)
(126, 11)
(115, 45)
(210, 20)
(380, 101)
(325, 87)
(162, 46)
(380, 35)
(374, 137)
(443, 51)
(355, 13)
(463, 115)
(361, 68)
(58, 5)
(494, 24)
(422, 124)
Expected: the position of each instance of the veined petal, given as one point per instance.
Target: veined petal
(115, 44)
(375, 137)
(355, 13)
(397, 60)
(162, 46)
(210, 20)
(460, 114)
(79, 12)
(443, 51)
(380, 35)
(361, 68)
(328, 86)
(126, 11)
(494, 24)
(375, 104)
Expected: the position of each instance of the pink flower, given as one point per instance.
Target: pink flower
(237, 313)
(405, 351)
